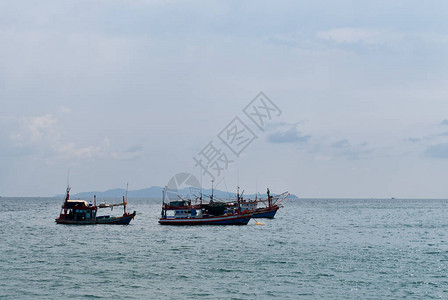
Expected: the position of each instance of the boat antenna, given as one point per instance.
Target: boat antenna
(238, 199)
(256, 189)
(127, 186)
(164, 194)
(212, 190)
(269, 197)
(67, 195)
(227, 189)
(68, 177)
(237, 176)
(125, 201)
(200, 177)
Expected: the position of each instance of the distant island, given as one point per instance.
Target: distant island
(156, 192)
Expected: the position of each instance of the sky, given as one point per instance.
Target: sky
(137, 91)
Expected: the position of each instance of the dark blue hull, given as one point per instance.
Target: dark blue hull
(242, 219)
(124, 220)
(267, 212)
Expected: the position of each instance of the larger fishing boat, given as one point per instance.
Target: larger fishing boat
(80, 212)
(183, 212)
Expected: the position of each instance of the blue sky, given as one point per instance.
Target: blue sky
(130, 91)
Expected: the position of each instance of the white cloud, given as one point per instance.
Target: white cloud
(33, 130)
(41, 126)
(71, 150)
(64, 110)
(351, 35)
(288, 134)
(46, 137)
(130, 153)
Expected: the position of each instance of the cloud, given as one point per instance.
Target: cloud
(344, 143)
(291, 135)
(437, 151)
(429, 138)
(41, 127)
(343, 148)
(287, 133)
(350, 35)
(43, 137)
(72, 151)
(384, 41)
(413, 140)
(8, 145)
(21, 136)
(64, 109)
(131, 153)
(434, 145)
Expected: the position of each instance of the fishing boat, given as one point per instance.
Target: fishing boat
(80, 212)
(183, 212)
(270, 208)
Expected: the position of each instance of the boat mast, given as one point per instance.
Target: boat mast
(124, 206)
(127, 186)
(67, 196)
(256, 190)
(125, 202)
(211, 198)
(238, 199)
(269, 197)
(163, 202)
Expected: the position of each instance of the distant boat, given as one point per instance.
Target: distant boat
(79, 212)
(182, 212)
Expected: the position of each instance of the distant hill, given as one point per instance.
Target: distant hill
(156, 192)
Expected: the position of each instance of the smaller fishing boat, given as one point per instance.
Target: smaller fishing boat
(80, 212)
(270, 208)
(182, 212)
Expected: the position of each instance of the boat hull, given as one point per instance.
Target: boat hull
(124, 220)
(242, 219)
(266, 212)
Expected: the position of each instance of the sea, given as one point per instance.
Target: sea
(313, 249)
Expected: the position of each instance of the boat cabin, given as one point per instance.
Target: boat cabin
(78, 210)
(182, 209)
(248, 205)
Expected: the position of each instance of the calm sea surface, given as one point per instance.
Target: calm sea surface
(313, 249)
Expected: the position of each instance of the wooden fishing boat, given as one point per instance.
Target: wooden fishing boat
(182, 212)
(229, 219)
(266, 212)
(270, 208)
(80, 212)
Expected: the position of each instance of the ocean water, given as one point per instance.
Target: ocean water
(313, 249)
